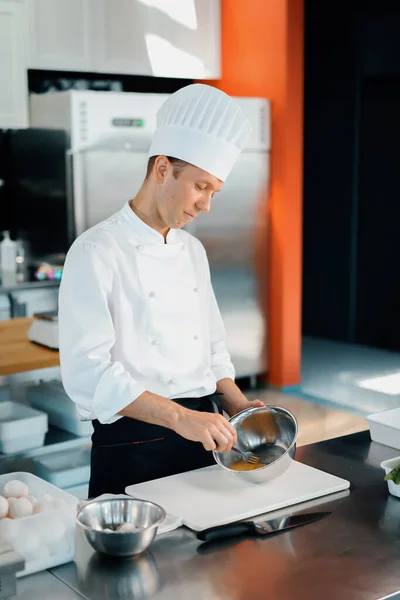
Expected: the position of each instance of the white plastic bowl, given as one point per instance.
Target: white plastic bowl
(389, 465)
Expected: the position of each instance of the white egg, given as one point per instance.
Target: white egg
(59, 547)
(52, 531)
(129, 527)
(38, 508)
(20, 507)
(45, 531)
(4, 507)
(15, 489)
(56, 503)
(10, 502)
(28, 545)
(31, 499)
(69, 518)
(9, 530)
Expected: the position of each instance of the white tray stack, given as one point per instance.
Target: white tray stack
(45, 539)
(21, 427)
(51, 397)
(69, 470)
(5, 392)
(385, 427)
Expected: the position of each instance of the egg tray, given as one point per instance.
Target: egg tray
(46, 539)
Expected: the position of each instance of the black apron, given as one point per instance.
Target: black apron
(130, 451)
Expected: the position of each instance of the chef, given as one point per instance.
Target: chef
(142, 343)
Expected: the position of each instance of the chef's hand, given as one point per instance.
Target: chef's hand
(236, 408)
(232, 398)
(210, 429)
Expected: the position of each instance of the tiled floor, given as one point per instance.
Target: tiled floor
(331, 371)
(316, 422)
(334, 397)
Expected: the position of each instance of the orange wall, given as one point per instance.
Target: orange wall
(262, 55)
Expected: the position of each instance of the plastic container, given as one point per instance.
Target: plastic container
(8, 260)
(5, 392)
(64, 469)
(81, 492)
(46, 539)
(389, 465)
(385, 427)
(51, 397)
(21, 427)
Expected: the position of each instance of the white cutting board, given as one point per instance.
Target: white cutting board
(211, 496)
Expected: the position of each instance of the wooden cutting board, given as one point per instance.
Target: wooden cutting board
(18, 354)
(211, 496)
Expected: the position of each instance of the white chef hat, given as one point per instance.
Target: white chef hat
(202, 126)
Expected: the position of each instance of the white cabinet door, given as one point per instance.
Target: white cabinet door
(13, 76)
(60, 34)
(165, 38)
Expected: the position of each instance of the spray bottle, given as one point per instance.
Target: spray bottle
(8, 264)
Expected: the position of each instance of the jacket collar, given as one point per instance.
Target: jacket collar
(142, 232)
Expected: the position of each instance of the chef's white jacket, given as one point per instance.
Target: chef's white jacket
(137, 314)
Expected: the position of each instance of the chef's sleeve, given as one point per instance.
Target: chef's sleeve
(221, 364)
(95, 382)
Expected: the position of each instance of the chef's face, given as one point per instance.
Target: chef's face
(183, 193)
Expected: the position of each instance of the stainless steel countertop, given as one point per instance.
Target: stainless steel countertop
(353, 554)
(43, 586)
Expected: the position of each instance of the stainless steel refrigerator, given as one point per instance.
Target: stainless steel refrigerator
(109, 135)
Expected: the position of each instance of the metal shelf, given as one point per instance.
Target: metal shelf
(55, 441)
(28, 285)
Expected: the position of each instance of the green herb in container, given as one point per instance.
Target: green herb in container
(394, 475)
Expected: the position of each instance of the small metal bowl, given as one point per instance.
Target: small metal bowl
(269, 432)
(99, 515)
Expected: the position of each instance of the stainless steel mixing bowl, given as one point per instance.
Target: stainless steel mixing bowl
(269, 432)
(98, 515)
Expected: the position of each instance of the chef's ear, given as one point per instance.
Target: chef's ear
(161, 167)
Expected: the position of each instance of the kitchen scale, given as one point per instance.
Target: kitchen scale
(44, 329)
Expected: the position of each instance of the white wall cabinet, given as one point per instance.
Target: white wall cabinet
(166, 38)
(13, 75)
(60, 34)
